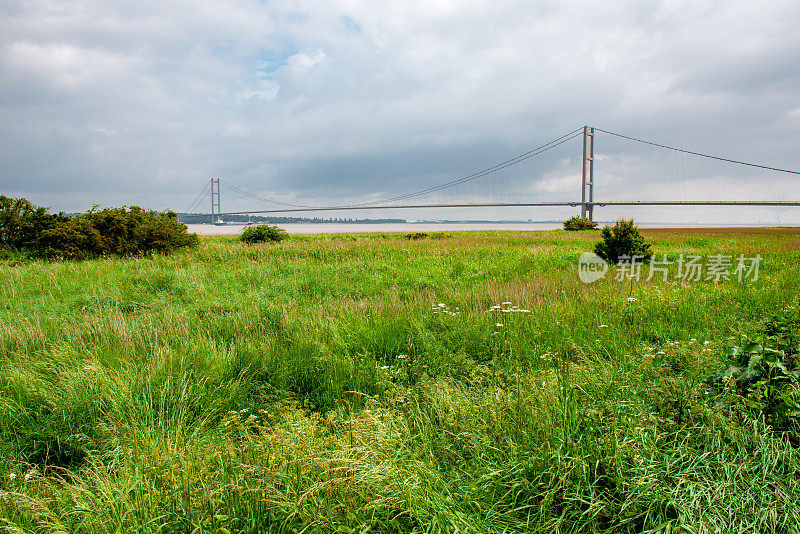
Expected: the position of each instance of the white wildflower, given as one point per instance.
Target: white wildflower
(603, 326)
(631, 299)
(12, 476)
(499, 324)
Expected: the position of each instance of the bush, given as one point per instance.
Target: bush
(765, 376)
(31, 230)
(162, 233)
(263, 233)
(574, 224)
(21, 223)
(74, 239)
(416, 235)
(623, 239)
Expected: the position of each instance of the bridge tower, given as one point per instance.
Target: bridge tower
(587, 186)
(215, 199)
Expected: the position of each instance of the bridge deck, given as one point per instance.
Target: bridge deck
(533, 204)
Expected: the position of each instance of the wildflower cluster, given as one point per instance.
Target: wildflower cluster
(506, 307)
(401, 370)
(27, 477)
(442, 308)
(692, 344)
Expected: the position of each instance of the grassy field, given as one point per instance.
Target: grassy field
(464, 382)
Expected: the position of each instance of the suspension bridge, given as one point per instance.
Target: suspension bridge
(636, 172)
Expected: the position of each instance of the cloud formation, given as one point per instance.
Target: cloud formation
(142, 102)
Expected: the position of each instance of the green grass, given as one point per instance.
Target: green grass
(355, 383)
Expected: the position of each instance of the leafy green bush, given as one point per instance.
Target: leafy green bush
(75, 239)
(623, 239)
(765, 377)
(25, 228)
(263, 233)
(416, 235)
(574, 224)
(21, 223)
(162, 233)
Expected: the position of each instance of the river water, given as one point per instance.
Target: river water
(353, 228)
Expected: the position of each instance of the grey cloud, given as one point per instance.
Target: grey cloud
(142, 102)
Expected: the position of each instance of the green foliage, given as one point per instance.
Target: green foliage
(263, 233)
(21, 223)
(622, 240)
(766, 373)
(576, 223)
(74, 239)
(416, 235)
(115, 231)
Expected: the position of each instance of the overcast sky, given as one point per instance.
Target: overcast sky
(142, 102)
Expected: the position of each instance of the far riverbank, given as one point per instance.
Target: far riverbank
(356, 228)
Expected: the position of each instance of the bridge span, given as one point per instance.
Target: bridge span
(586, 200)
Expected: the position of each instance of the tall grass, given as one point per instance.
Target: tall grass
(464, 382)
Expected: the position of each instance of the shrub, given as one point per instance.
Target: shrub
(765, 375)
(21, 222)
(263, 233)
(74, 239)
(416, 235)
(623, 239)
(574, 224)
(162, 233)
(25, 228)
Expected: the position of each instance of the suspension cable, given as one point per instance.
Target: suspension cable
(513, 161)
(263, 199)
(199, 198)
(502, 165)
(718, 158)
